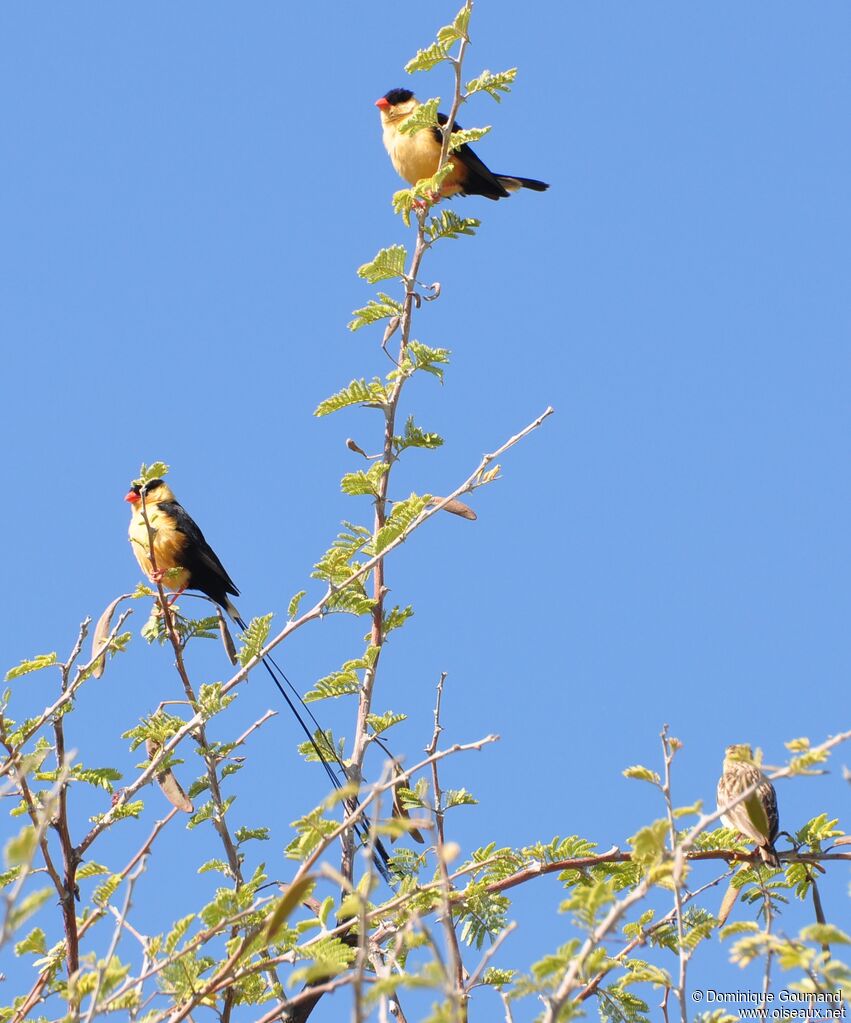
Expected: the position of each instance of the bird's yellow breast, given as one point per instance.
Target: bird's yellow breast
(417, 156)
(169, 545)
(414, 156)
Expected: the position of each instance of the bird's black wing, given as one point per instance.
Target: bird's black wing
(481, 180)
(206, 572)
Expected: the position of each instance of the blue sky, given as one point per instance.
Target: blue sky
(188, 191)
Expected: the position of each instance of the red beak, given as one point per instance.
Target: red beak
(383, 103)
(132, 497)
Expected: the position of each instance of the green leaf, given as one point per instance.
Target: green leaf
(381, 722)
(211, 700)
(311, 829)
(395, 618)
(818, 830)
(218, 865)
(104, 892)
(209, 811)
(154, 471)
(176, 933)
(404, 513)
(449, 225)
(292, 608)
(251, 835)
(465, 136)
(739, 927)
(91, 869)
(387, 264)
(25, 667)
(648, 844)
(345, 682)
(254, 638)
(360, 483)
(424, 116)
(374, 311)
(642, 774)
(324, 739)
(8, 877)
(587, 901)
(414, 437)
(428, 58)
(121, 811)
(359, 392)
(825, 934)
(19, 850)
(457, 31)
(459, 797)
(28, 906)
(335, 564)
(286, 906)
(35, 943)
(688, 811)
(352, 600)
(420, 357)
(493, 84)
(494, 977)
(99, 777)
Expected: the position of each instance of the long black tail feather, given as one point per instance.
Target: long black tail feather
(380, 855)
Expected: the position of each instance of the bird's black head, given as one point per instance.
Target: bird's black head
(136, 490)
(397, 96)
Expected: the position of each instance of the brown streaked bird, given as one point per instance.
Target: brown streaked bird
(756, 817)
(183, 560)
(417, 156)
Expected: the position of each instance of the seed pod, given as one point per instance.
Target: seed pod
(227, 639)
(352, 446)
(170, 786)
(456, 507)
(100, 637)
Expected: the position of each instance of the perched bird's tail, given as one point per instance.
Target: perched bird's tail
(513, 184)
(769, 856)
(380, 855)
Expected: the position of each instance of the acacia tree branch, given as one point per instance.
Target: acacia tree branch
(70, 857)
(641, 939)
(226, 976)
(116, 937)
(210, 762)
(67, 694)
(669, 749)
(457, 991)
(378, 585)
(34, 995)
(40, 814)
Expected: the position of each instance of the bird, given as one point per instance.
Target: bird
(172, 550)
(755, 817)
(416, 156)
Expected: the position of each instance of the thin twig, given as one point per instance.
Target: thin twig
(669, 749)
(457, 992)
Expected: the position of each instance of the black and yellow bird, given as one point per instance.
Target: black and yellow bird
(416, 156)
(172, 550)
